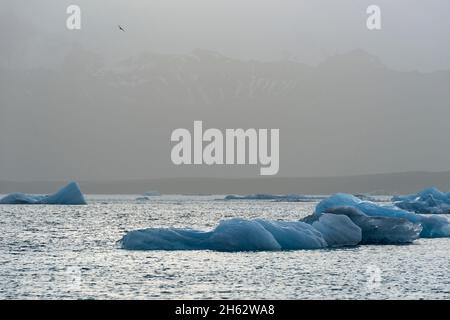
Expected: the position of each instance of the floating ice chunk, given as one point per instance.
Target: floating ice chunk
(152, 193)
(432, 226)
(145, 198)
(338, 230)
(20, 198)
(242, 235)
(69, 195)
(381, 230)
(433, 191)
(230, 235)
(292, 235)
(165, 239)
(429, 200)
(337, 200)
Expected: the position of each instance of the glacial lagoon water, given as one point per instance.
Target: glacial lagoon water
(71, 252)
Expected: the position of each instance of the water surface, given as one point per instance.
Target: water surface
(68, 252)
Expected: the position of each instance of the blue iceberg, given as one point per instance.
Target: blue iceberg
(246, 235)
(376, 230)
(338, 230)
(427, 201)
(68, 195)
(432, 226)
(144, 198)
(338, 221)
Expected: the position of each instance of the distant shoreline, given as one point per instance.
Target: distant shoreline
(375, 184)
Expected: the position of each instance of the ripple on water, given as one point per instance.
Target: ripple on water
(62, 252)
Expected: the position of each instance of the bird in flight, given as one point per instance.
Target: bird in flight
(120, 28)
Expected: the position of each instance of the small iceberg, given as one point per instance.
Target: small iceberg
(375, 230)
(69, 195)
(338, 230)
(432, 226)
(152, 193)
(276, 197)
(249, 235)
(427, 201)
(142, 199)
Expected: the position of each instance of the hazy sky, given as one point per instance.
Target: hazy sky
(414, 36)
(90, 104)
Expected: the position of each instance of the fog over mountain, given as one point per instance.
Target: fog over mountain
(349, 115)
(413, 37)
(101, 104)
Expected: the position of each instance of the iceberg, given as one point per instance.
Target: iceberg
(338, 230)
(68, 195)
(152, 193)
(230, 235)
(292, 235)
(376, 230)
(432, 226)
(427, 201)
(338, 221)
(145, 198)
